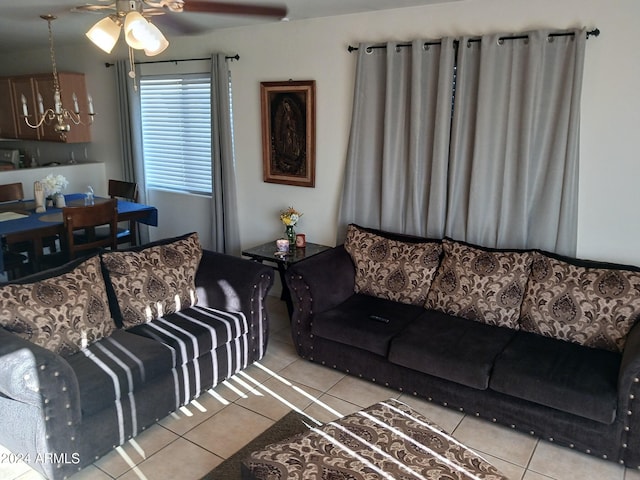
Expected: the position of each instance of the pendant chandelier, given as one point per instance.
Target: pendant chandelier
(58, 113)
(139, 33)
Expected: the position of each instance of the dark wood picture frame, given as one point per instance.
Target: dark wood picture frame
(288, 132)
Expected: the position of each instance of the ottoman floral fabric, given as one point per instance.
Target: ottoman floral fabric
(386, 440)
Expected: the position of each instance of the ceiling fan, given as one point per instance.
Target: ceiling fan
(133, 16)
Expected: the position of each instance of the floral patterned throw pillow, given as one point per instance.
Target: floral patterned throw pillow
(392, 269)
(152, 282)
(595, 307)
(485, 285)
(64, 313)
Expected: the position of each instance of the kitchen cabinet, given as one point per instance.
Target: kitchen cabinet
(7, 115)
(24, 86)
(34, 87)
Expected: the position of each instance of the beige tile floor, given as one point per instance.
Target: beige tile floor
(188, 444)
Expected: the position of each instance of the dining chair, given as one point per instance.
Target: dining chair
(125, 191)
(126, 232)
(15, 262)
(11, 192)
(87, 219)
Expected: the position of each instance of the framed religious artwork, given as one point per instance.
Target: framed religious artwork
(288, 132)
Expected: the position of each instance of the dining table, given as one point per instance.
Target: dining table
(19, 221)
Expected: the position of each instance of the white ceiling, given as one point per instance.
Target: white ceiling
(22, 28)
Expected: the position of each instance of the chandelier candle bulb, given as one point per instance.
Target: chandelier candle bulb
(76, 108)
(57, 102)
(90, 100)
(25, 111)
(40, 104)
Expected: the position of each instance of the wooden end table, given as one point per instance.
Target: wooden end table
(267, 253)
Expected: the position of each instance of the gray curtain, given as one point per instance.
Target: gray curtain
(396, 169)
(131, 135)
(224, 209)
(499, 169)
(515, 142)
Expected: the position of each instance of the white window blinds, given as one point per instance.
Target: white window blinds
(176, 132)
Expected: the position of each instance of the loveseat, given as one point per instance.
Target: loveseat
(545, 344)
(95, 351)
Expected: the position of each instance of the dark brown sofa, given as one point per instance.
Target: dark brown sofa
(479, 344)
(64, 406)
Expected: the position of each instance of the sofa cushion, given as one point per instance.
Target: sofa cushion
(587, 303)
(449, 347)
(561, 375)
(194, 332)
(65, 310)
(481, 284)
(399, 269)
(154, 280)
(351, 322)
(112, 369)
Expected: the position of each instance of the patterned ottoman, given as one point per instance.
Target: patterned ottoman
(387, 440)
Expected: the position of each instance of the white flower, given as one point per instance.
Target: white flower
(290, 216)
(53, 184)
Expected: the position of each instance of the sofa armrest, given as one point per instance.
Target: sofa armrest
(317, 284)
(230, 283)
(40, 398)
(37, 376)
(327, 278)
(235, 284)
(629, 396)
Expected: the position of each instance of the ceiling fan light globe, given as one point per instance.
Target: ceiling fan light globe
(155, 43)
(104, 34)
(135, 30)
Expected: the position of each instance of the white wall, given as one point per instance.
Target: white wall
(609, 222)
(79, 176)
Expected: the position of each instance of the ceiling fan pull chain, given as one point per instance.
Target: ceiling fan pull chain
(132, 69)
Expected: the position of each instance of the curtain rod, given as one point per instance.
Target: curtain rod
(229, 57)
(595, 32)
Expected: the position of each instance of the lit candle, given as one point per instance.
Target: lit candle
(282, 245)
(40, 104)
(76, 108)
(90, 104)
(25, 111)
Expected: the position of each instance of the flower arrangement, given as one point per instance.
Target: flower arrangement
(53, 184)
(290, 216)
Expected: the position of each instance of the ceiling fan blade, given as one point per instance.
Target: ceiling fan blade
(93, 8)
(177, 24)
(202, 6)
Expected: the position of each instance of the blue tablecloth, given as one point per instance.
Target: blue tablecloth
(33, 220)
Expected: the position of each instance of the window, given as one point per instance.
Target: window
(176, 132)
